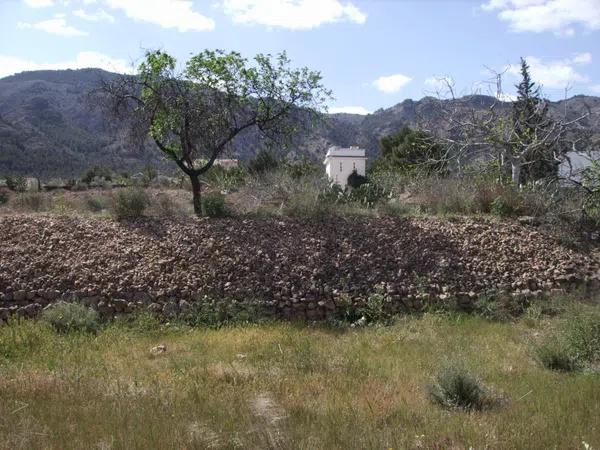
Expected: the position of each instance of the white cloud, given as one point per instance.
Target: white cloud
(392, 83)
(57, 25)
(177, 14)
(556, 74)
(94, 17)
(292, 14)
(10, 65)
(538, 16)
(439, 82)
(349, 110)
(38, 3)
(595, 88)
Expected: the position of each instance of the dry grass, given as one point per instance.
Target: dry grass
(285, 386)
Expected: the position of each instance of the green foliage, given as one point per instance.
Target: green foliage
(509, 204)
(412, 152)
(591, 184)
(213, 205)
(301, 168)
(68, 317)
(129, 203)
(100, 172)
(148, 175)
(94, 204)
(530, 119)
(556, 355)
(264, 161)
(575, 344)
(454, 387)
(355, 180)
(214, 313)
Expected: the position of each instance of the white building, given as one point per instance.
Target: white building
(341, 162)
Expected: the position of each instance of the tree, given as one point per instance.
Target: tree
(195, 114)
(411, 151)
(525, 138)
(531, 120)
(264, 161)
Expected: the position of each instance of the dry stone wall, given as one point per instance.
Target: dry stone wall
(293, 268)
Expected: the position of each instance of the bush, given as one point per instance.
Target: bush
(509, 204)
(33, 201)
(454, 387)
(129, 204)
(355, 180)
(68, 317)
(94, 204)
(213, 205)
(264, 161)
(3, 197)
(575, 344)
(556, 355)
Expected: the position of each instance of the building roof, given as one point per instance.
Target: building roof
(352, 152)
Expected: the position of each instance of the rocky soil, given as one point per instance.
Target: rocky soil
(294, 268)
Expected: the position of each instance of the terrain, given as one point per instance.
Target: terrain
(286, 386)
(51, 126)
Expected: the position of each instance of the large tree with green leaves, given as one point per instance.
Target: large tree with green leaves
(195, 114)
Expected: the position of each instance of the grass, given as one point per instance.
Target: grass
(282, 385)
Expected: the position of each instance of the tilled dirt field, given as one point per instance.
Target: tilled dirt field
(297, 268)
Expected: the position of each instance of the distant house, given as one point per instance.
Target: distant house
(341, 162)
(224, 163)
(577, 163)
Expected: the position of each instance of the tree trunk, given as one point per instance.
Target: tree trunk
(197, 194)
(516, 172)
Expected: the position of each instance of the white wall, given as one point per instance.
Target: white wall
(339, 169)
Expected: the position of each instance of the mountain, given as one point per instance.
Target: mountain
(50, 126)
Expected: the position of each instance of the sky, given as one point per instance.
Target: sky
(372, 53)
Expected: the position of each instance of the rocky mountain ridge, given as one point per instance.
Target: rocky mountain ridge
(51, 126)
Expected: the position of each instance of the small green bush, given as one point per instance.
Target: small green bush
(555, 354)
(94, 204)
(455, 388)
(355, 180)
(67, 317)
(213, 205)
(509, 204)
(575, 344)
(129, 204)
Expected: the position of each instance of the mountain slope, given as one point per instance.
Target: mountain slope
(50, 126)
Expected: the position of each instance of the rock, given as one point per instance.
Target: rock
(158, 350)
(155, 308)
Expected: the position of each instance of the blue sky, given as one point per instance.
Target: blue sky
(372, 53)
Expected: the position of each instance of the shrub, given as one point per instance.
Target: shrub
(264, 161)
(129, 204)
(213, 205)
(556, 355)
(94, 204)
(67, 317)
(454, 387)
(509, 204)
(3, 197)
(355, 180)
(33, 201)
(575, 344)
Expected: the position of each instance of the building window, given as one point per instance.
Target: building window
(340, 166)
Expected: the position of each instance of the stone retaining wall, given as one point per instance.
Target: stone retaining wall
(294, 269)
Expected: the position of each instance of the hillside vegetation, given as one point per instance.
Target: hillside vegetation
(51, 126)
